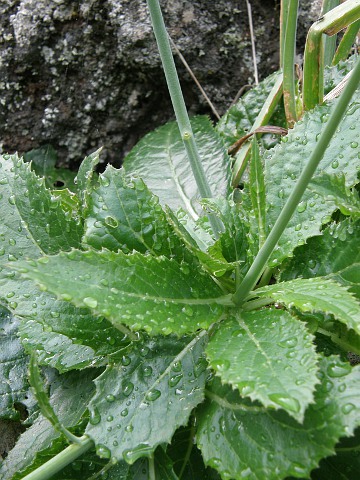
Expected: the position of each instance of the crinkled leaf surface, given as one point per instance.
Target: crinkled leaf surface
(14, 386)
(85, 178)
(69, 396)
(124, 214)
(284, 163)
(316, 294)
(140, 403)
(243, 440)
(268, 355)
(66, 337)
(161, 160)
(334, 254)
(152, 293)
(333, 188)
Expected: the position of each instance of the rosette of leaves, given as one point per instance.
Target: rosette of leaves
(125, 296)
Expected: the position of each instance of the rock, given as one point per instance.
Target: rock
(80, 75)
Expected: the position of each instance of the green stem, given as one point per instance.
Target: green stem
(152, 469)
(288, 62)
(331, 23)
(292, 202)
(61, 460)
(329, 42)
(346, 43)
(179, 106)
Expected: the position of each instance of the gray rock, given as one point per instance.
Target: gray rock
(79, 75)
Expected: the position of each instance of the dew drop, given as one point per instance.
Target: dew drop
(95, 416)
(129, 428)
(200, 367)
(302, 207)
(338, 370)
(354, 144)
(283, 400)
(281, 193)
(12, 200)
(125, 360)
(90, 302)
(175, 379)
(334, 164)
(177, 367)
(128, 388)
(111, 222)
(110, 418)
(222, 365)
(55, 314)
(153, 395)
(124, 413)
(347, 408)
(102, 451)
(110, 398)
(147, 371)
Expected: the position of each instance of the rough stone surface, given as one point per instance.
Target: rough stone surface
(79, 75)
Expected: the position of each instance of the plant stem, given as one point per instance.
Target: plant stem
(331, 23)
(292, 202)
(179, 106)
(329, 42)
(288, 61)
(346, 42)
(151, 469)
(61, 460)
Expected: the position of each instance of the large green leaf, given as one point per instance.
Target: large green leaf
(124, 214)
(161, 160)
(284, 163)
(334, 254)
(152, 293)
(140, 403)
(14, 386)
(316, 294)
(69, 396)
(244, 440)
(268, 356)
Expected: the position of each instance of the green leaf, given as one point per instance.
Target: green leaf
(153, 293)
(69, 396)
(239, 119)
(43, 163)
(124, 214)
(333, 188)
(234, 242)
(242, 440)
(85, 178)
(72, 338)
(316, 294)
(284, 163)
(14, 387)
(345, 465)
(140, 403)
(161, 159)
(335, 254)
(268, 356)
(34, 221)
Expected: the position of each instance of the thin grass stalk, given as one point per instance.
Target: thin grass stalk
(179, 106)
(288, 62)
(294, 199)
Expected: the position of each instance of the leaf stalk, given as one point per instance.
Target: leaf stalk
(61, 460)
